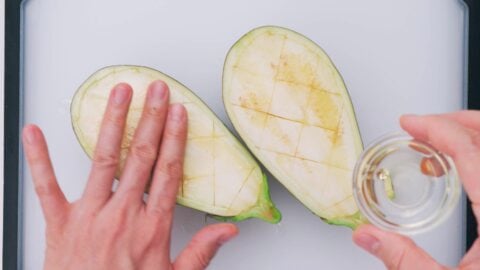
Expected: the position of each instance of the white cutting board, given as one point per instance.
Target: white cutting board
(395, 56)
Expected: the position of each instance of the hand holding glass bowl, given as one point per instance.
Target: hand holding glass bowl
(405, 185)
(456, 135)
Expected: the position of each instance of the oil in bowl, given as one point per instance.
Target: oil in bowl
(404, 185)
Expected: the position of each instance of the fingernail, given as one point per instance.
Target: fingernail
(229, 234)
(176, 112)
(30, 135)
(157, 90)
(368, 242)
(120, 94)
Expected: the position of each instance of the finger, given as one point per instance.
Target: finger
(444, 134)
(52, 199)
(144, 148)
(107, 152)
(472, 258)
(204, 245)
(168, 171)
(397, 252)
(453, 139)
(468, 118)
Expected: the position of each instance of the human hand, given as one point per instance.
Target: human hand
(458, 135)
(117, 230)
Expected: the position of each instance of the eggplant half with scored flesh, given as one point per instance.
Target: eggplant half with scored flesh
(220, 176)
(290, 105)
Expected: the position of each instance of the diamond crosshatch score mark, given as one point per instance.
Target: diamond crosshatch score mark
(207, 173)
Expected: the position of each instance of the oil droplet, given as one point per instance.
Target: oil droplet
(383, 174)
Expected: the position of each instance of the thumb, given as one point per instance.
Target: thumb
(203, 246)
(397, 252)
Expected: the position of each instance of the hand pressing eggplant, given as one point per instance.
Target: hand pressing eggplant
(118, 230)
(220, 177)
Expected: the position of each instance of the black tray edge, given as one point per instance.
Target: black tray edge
(11, 210)
(473, 92)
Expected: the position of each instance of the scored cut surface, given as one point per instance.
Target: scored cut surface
(289, 104)
(220, 176)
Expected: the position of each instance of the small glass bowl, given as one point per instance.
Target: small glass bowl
(404, 185)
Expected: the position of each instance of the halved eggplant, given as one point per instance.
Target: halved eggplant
(290, 105)
(220, 176)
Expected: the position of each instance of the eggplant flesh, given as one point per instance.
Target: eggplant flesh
(290, 105)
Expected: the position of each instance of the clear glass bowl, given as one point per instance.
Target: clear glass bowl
(404, 185)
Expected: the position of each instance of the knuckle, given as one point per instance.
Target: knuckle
(144, 152)
(45, 189)
(119, 215)
(175, 131)
(119, 218)
(106, 232)
(399, 258)
(130, 194)
(103, 159)
(112, 224)
(160, 210)
(153, 111)
(202, 259)
(114, 118)
(35, 158)
(172, 169)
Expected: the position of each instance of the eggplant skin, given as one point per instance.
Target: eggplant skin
(290, 106)
(220, 176)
